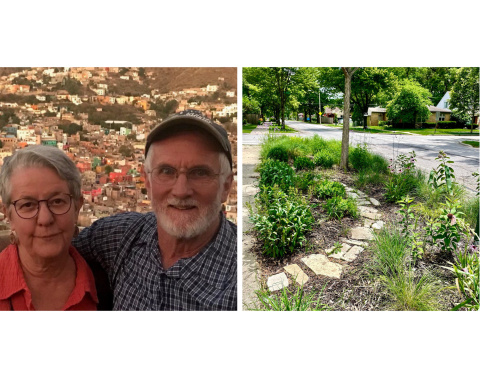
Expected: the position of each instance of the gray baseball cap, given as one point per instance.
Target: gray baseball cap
(191, 117)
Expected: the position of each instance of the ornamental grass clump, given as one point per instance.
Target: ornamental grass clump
(282, 221)
(290, 300)
(391, 265)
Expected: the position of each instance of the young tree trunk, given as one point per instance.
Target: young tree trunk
(348, 72)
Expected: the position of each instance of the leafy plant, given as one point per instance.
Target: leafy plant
(303, 163)
(324, 158)
(338, 207)
(448, 232)
(278, 153)
(304, 180)
(467, 272)
(409, 223)
(327, 188)
(274, 172)
(443, 176)
(283, 222)
(360, 157)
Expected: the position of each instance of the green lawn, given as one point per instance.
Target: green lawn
(472, 143)
(248, 128)
(422, 131)
(287, 129)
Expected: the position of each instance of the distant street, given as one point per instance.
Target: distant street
(426, 147)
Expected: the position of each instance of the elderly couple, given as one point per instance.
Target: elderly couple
(182, 256)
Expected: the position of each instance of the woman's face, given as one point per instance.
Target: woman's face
(45, 235)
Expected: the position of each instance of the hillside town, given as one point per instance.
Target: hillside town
(100, 117)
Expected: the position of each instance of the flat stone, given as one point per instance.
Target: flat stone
(277, 282)
(354, 242)
(353, 195)
(343, 250)
(361, 194)
(368, 223)
(352, 253)
(362, 233)
(322, 266)
(370, 215)
(298, 275)
(375, 202)
(363, 202)
(368, 209)
(378, 225)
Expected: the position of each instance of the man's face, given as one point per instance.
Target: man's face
(185, 209)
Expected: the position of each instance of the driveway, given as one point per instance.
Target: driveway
(465, 157)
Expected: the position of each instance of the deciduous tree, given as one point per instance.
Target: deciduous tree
(464, 97)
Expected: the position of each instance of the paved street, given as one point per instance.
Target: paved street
(426, 147)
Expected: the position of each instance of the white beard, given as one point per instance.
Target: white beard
(186, 224)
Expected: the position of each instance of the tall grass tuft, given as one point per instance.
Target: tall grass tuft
(392, 266)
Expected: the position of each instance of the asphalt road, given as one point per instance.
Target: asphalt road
(426, 148)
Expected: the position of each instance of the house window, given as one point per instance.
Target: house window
(445, 104)
(441, 117)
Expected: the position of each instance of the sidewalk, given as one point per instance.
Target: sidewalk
(251, 157)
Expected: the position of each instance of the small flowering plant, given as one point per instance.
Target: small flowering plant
(404, 163)
(448, 233)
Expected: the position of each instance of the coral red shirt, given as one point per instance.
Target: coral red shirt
(15, 295)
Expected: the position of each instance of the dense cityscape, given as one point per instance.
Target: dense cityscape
(100, 117)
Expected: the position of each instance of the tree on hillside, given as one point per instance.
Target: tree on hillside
(348, 73)
(464, 97)
(409, 103)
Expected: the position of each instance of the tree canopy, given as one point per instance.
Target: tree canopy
(410, 103)
(464, 97)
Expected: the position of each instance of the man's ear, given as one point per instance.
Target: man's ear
(148, 186)
(227, 185)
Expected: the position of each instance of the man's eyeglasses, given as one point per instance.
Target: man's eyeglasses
(167, 175)
(28, 208)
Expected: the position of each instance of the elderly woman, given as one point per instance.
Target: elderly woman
(41, 194)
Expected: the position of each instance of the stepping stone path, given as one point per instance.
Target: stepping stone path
(277, 282)
(298, 275)
(351, 248)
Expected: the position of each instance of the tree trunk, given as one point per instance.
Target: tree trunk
(348, 72)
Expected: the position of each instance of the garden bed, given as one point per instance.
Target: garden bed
(359, 286)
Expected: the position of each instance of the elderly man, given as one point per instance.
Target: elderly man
(182, 256)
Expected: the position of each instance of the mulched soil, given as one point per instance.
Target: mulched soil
(355, 290)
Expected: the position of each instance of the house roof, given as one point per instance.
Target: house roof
(431, 108)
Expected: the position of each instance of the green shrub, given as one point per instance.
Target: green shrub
(402, 184)
(303, 163)
(304, 180)
(382, 123)
(283, 224)
(278, 153)
(326, 189)
(337, 207)
(274, 172)
(447, 124)
(426, 124)
(360, 157)
(324, 158)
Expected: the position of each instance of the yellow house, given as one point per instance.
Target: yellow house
(377, 114)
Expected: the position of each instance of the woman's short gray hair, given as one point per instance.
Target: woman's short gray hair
(37, 156)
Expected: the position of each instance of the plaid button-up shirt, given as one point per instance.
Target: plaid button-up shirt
(126, 245)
